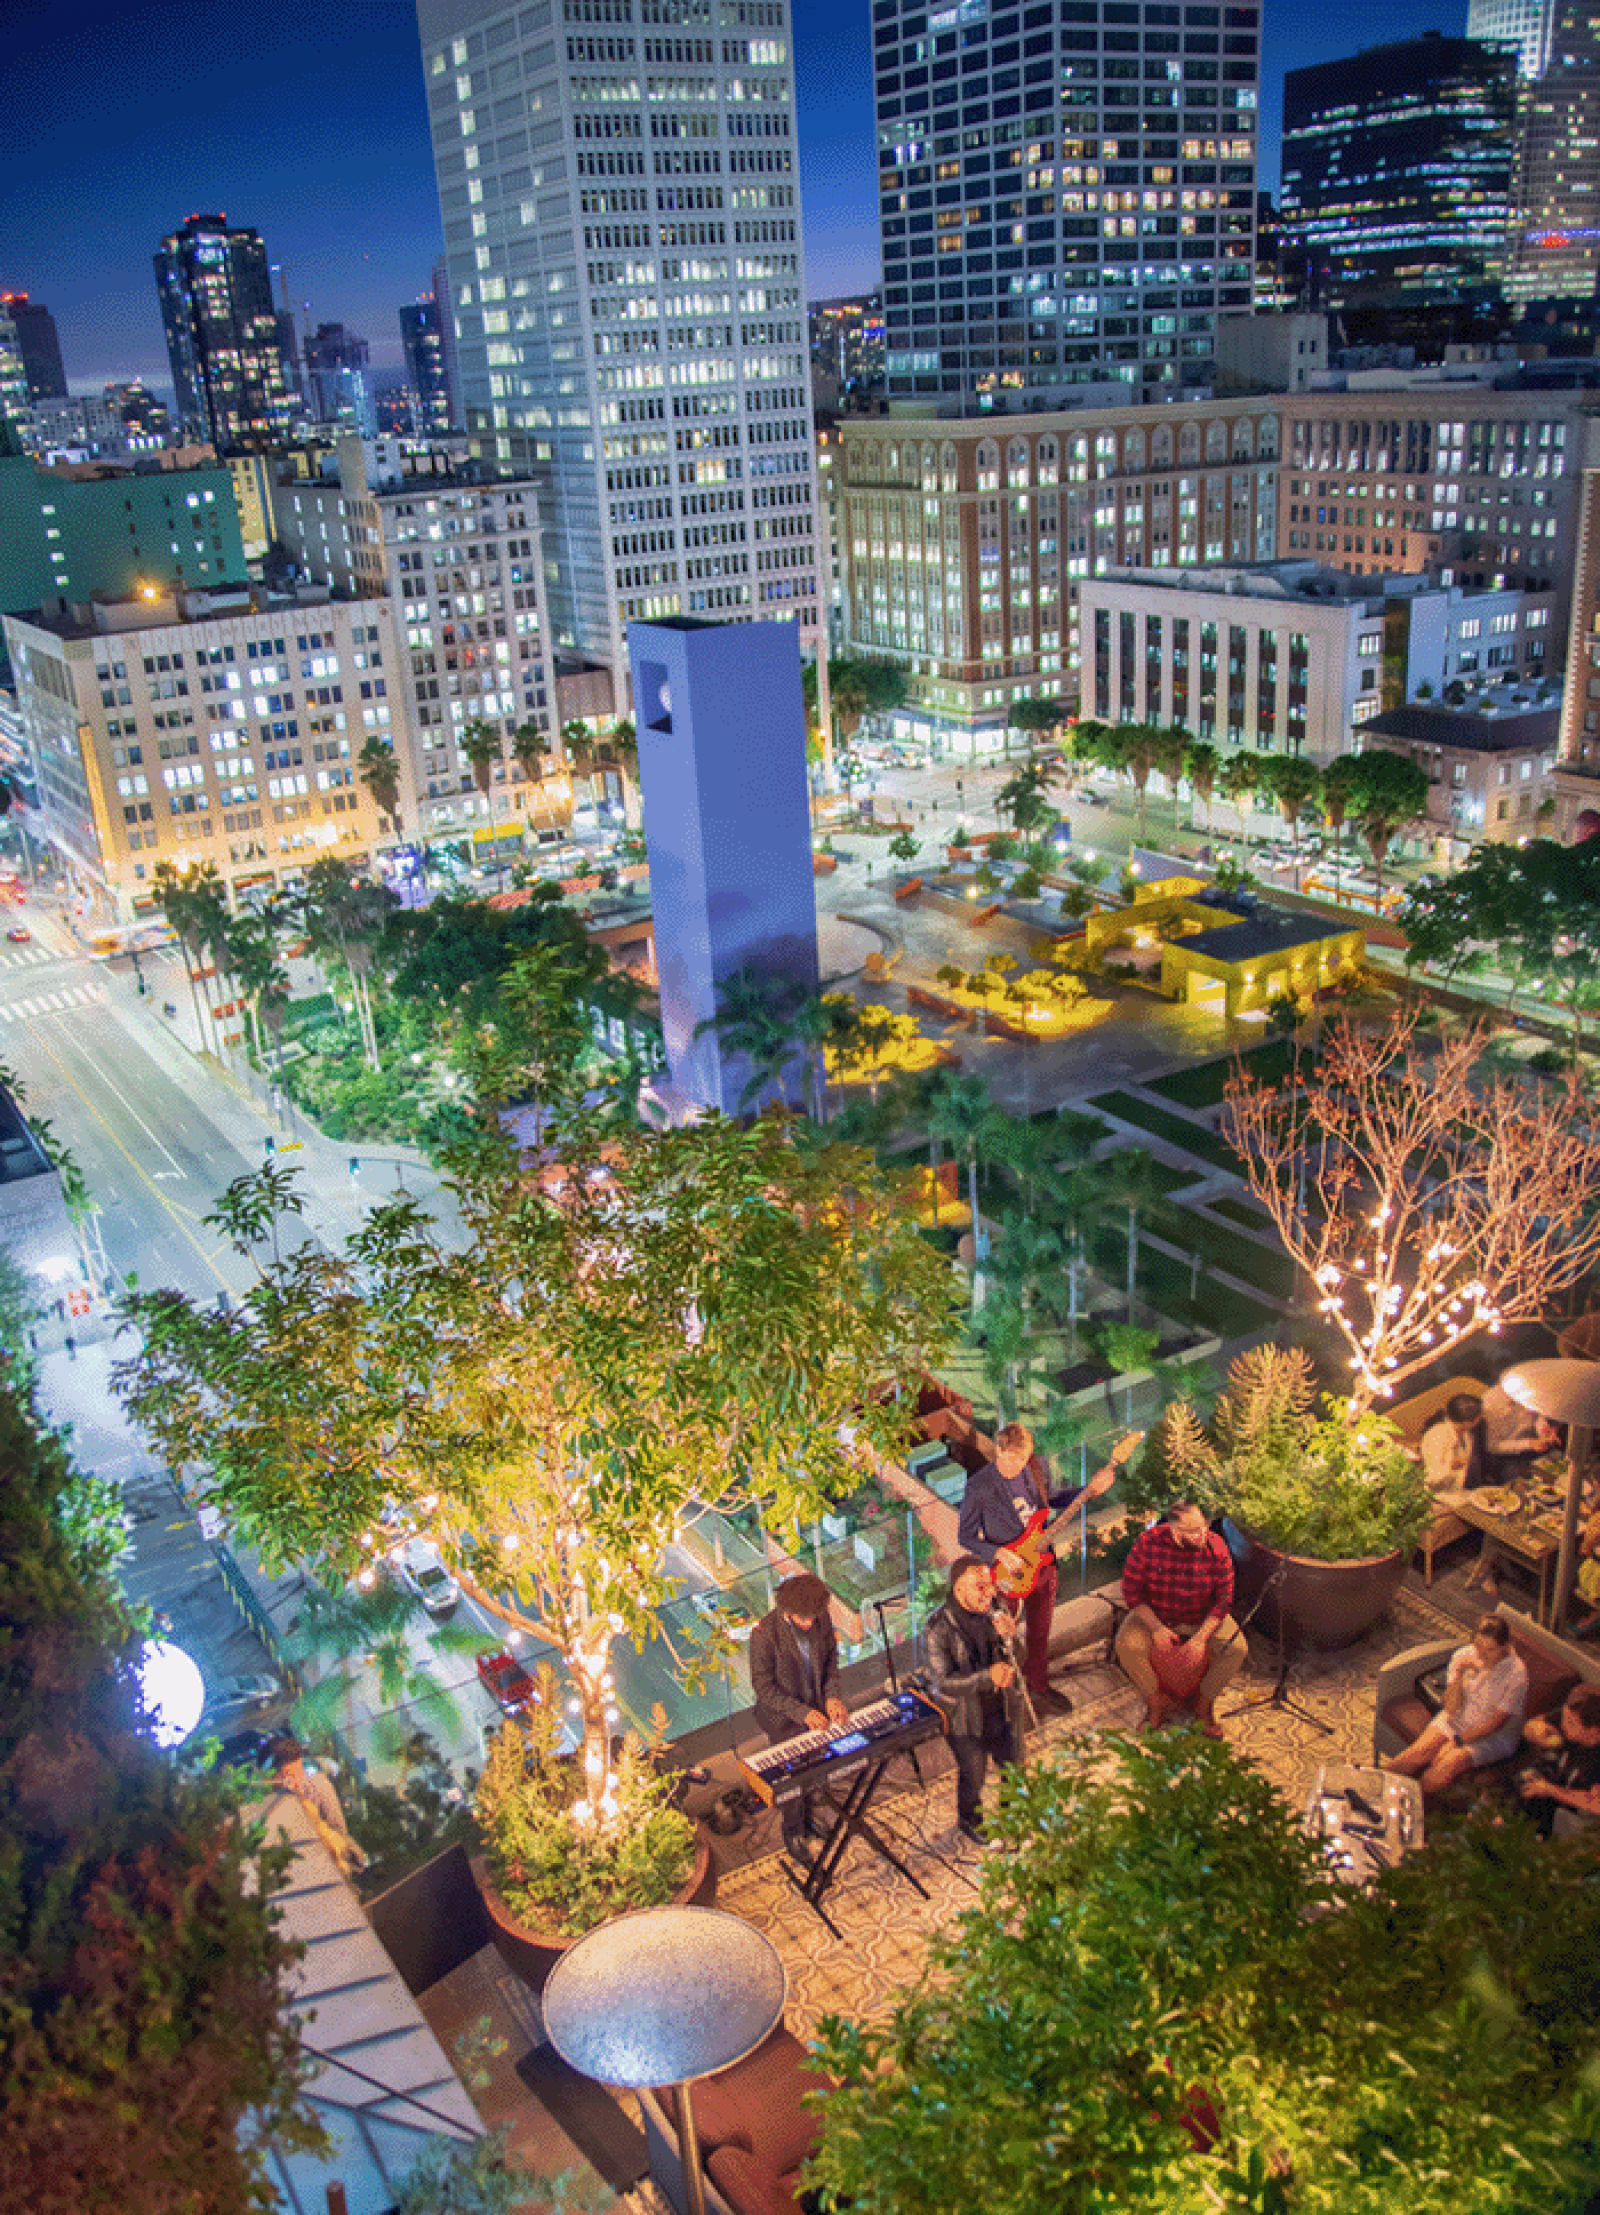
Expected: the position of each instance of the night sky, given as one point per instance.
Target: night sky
(123, 119)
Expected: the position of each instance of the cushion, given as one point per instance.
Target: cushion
(1178, 1671)
(1549, 1680)
(756, 2104)
(1407, 1718)
(748, 2186)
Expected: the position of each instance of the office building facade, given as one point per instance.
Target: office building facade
(1554, 246)
(1523, 27)
(338, 382)
(222, 334)
(456, 556)
(1476, 486)
(38, 345)
(965, 542)
(422, 343)
(1291, 657)
(1066, 190)
(221, 727)
(619, 187)
(1397, 168)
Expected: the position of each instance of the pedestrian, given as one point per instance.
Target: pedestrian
(316, 1795)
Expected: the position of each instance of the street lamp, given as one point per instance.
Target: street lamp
(1566, 1392)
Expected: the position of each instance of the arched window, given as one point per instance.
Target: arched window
(1047, 452)
(930, 468)
(1243, 439)
(1161, 447)
(988, 465)
(1133, 450)
(1017, 462)
(1216, 442)
(1189, 442)
(1267, 438)
(948, 468)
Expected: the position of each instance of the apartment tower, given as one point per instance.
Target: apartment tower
(221, 328)
(619, 187)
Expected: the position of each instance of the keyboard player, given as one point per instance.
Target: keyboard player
(794, 1672)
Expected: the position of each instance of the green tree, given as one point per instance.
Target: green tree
(451, 956)
(148, 2054)
(1024, 796)
(1036, 716)
(904, 847)
(1095, 2034)
(1389, 791)
(1536, 908)
(1170, 756)
(379, 770)
(758, 1021)
(1296, 784)
(195, 904)
(530, 750)
(659, 1314)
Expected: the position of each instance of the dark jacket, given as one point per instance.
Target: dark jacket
(958, 1664)
(779, 1674)
(989, 1519)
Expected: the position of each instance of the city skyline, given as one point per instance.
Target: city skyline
(317, 135)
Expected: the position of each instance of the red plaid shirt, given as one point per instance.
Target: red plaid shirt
(1179, 1584)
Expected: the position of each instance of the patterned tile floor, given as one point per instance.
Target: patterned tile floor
(884, 1925)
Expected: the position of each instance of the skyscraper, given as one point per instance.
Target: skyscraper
(1554, 248)
(423, 347)
(338, 385)
(1524, 25)
(40, 348)
(620, 194)
(456, 414)
(222, 333)
(1397, 168)
(1066, 192)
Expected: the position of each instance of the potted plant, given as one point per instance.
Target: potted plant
(549, 1871)
(1331, 1503)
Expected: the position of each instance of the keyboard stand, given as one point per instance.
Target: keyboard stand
(849, 1822)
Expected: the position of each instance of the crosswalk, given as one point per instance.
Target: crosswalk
(53, 1003)
(28, 957)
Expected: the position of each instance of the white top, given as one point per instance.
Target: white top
(1499, 1690)
(1444, 1457)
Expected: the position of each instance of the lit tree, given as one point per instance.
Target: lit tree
(480, 749)
(1295, 783)
(1201, 763)
(1447, 1199)
(1237, 780)
(1388, 791)
(652, 1318)
(379, 770)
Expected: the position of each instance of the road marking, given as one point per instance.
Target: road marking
(168, 1206)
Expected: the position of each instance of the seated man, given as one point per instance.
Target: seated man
(1486, 1698)
(1178, 1584)
(794, 1673)
(972, 1660)
(1558, 1779)
(1514, 1437)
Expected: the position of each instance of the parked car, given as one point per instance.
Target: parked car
(504, 1676)
(724, 1611)
(419, 1568)
(234, 1702)
(19, 934)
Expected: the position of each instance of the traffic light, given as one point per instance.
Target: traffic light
(270, 1143)
(355, 1166)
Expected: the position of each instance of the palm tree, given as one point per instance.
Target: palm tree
(1172, 759)
(379, 768)
(530, 747)
(195, 904)
(344, 914)
(1128, 1179)
(622, 749)
(756, 1021)
(960, 1113)
(480, 747)
(1296, 784)
(1390, 792)
(1339, 781)
(1236, 781)
(1201, 761)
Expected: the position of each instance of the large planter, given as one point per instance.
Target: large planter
(1321, 1605)
(532, 1953)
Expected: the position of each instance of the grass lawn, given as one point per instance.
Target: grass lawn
(1205, 1084)
(1178, 1130)
(1242, 1211)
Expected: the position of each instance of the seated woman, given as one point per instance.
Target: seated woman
(1451, 1448)
(1486, 1699)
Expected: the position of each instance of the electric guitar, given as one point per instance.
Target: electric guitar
(1031, 1545)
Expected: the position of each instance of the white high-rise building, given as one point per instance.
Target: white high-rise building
(619, 186)
(1524, 24)
(1066, 191)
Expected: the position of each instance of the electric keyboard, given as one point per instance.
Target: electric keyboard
(874, 1733)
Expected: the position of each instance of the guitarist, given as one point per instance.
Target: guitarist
(1001, 1499)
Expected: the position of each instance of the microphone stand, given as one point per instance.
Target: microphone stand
(1278, 1697)
(1005, 1628)
(881, 1607)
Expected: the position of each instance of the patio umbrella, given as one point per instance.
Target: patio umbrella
(1566, 1392)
